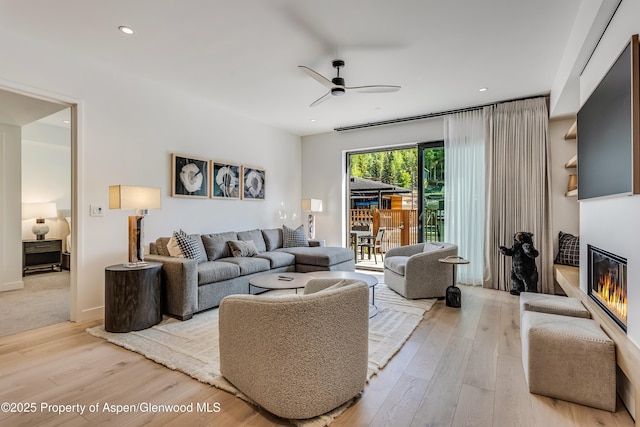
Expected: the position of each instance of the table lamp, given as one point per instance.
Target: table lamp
(312, 206)
(139, 199)
(39, 211)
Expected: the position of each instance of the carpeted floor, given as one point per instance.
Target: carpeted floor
(44, 301)
(192, 346)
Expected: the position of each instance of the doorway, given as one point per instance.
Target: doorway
(383, 189)
(400, 190)
(41, 147)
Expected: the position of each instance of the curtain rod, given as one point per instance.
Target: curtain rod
(431, 115)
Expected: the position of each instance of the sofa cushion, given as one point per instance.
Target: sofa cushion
(255, 236)
(322, 256)
(278, 259)
(293, 238)
(216, 271)
(240, 248)
(272, 238)
(397, 264)
(216, 244)
(249, 265)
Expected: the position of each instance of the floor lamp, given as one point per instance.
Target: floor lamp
(139, 199)
(312, 206)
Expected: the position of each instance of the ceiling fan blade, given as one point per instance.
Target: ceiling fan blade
(316, 76)
(374, 88)
(321, 99)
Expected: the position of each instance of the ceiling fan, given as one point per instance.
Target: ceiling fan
(336, 85)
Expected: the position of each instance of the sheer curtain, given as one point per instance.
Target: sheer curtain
(518, 188)
(464, 177)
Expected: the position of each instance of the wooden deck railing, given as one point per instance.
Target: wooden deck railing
(401, 225)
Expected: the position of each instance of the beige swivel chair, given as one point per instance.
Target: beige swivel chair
(414, 271)
(297, 356)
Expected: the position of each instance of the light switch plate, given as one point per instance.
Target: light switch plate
(96, 210)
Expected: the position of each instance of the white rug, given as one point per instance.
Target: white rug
(192, 346)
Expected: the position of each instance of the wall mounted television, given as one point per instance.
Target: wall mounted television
(609, 131)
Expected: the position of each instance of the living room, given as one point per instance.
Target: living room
(128, 126)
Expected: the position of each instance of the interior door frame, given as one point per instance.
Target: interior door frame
(76, 179)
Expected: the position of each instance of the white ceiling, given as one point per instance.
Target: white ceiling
(243, 55)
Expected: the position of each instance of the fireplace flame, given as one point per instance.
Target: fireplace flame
(614, 295)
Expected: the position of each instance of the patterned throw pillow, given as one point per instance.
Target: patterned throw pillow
(293, 238)
(188, 246)
(568, 250)
(240, 248)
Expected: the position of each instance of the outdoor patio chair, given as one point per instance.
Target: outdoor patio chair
(372, 246)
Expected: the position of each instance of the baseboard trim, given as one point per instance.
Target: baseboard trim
(11, 286)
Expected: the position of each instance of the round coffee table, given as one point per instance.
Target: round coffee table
(370, 280)
(280, 281)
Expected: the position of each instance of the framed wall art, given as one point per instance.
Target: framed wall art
(253, 183)
(189, 176)
(226, 179)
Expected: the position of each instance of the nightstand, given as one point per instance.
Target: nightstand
(132, 297)
(40, 255)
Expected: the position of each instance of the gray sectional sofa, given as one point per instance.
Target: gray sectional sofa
(194, 285)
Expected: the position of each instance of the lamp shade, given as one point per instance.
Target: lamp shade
(312, 205)
(133, 197)
(39, 210)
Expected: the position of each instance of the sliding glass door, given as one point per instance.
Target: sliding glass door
(431, 188)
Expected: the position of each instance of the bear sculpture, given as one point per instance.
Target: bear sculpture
(524, 273)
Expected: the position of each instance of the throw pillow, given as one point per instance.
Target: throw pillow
(188, 246)
(174, 248)
(568, 249)
(242, 248)
(293, 238)
(272, 238)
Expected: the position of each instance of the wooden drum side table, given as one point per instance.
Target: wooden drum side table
(453, 296)
(132, 297)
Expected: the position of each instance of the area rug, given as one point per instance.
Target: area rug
(191, 347)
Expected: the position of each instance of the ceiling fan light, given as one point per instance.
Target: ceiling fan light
(337, 91)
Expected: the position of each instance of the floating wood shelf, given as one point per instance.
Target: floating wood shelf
(572, 163)
(572, 193)
(572, 132)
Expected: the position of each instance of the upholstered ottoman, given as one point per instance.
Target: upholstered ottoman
(569, 358)
(552, 304)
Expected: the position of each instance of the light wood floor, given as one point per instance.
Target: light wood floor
(461, 367)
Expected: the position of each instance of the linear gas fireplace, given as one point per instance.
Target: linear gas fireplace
(608, 283)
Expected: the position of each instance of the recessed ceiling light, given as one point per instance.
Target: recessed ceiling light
(66, 122)
(126, 30)
(313, 120)
(483, 89)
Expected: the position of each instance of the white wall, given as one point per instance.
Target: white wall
(128, 128)
(612, 224)
(10, 241)
(323, 163)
